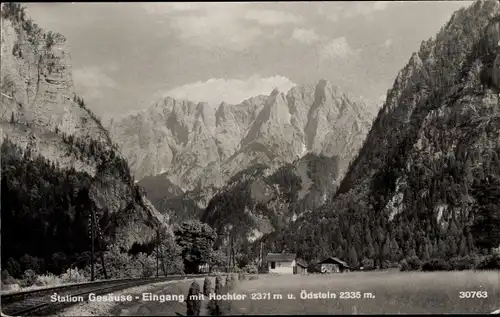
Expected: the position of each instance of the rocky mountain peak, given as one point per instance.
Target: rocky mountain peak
(272, 129)
(274, 92)
(327, 87)
(460, 58)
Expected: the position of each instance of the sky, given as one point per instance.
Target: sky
(126, 56)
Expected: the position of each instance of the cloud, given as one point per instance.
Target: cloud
(337, 49)
(271, 17)
(354, 9)
(305, 36)
(233, 91)
(92, 81)
(234, 26)
(173, 7)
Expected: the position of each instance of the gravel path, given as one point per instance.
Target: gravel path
(138, 307)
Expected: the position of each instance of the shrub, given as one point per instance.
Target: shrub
(207, 286)
(175, 265)
(491, 262)
(13, 267)
(403, 265)
(73, 276)
(231, 280)
(367, 264)
(7, 278)
(29, 278)
(145, 265)
(218, 284)
(250, 269)
(29, 262)
(225, 306)
(120, 264)
(463, 263)
(193, 303)
(412, 263)
(49, 280)
(385, 264)
(436, 265)
(213, 306)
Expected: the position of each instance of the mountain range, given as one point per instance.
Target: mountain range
(177, 146)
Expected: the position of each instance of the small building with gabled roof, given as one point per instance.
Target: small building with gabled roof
(333, 265)
(285, 263)
(300, 267)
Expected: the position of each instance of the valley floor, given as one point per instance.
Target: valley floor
(356, 293)
(379, 292)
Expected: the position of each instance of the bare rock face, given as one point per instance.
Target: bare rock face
(40, 112)
(197, 147)
(442, 113)
(36, 73)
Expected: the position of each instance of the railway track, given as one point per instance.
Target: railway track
(38, 302)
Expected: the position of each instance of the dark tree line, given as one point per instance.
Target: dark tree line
(44, 212)
(45, 208)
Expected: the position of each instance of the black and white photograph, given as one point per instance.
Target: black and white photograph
(250, 158)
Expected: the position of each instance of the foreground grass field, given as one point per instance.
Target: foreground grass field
(391, 292)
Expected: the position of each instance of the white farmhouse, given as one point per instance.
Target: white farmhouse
(285, 263)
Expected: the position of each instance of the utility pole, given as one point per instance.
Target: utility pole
(229, 254)
(233, 253)
(92, 237)
(157, 252)
(261, 258)
(101, 248)
(163, 261)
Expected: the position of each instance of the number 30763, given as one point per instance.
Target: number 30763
(473, 294)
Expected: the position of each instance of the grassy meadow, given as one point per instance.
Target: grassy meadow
(392, 292)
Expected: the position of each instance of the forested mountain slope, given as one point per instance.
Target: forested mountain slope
(261, 200)
(58, 162)
(427, 179)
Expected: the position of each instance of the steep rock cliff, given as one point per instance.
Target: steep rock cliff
(41, 115)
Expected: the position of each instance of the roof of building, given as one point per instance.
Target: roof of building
(281, 257)
(301, 263)
(334, 259)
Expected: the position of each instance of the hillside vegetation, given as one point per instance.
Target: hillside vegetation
(260, 200)
(426, 182)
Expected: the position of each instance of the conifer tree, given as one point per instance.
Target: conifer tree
(353, 257)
